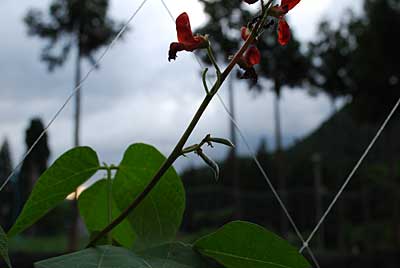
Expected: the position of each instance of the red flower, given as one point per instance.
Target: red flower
(251, 57)
(186, 40)
(283, 27)
(283, 32)
(245, 33)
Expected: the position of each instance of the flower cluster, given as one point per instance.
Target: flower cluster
(252, 56)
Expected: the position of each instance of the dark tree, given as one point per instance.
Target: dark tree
(376, 66)
(7, 195)
(5, 160)
(80, 24)
(331, 62)
(361, 60)
(36, 162)
(376, 75)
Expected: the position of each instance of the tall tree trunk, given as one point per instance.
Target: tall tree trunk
(232, 154)
(282, 185)
(77, 115)
(277, 117)
(74, 232)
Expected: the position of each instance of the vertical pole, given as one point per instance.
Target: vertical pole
(279, 160)
(74, 232)
(232, 154)
(77, 115)
(318, 190)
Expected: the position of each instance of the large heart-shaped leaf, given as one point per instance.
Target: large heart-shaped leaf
(157, 219)
(175, 255)
(98, 257)
(93, 207)
(241, 244)
(62, 178)
(4, 247)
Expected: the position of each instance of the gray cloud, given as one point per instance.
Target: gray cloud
(136, 95)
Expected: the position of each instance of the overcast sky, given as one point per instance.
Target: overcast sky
(137, 95)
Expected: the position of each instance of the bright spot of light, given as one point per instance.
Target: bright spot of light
(80, 189)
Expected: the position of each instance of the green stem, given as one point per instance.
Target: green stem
(204, 78)
(105, 167)
(177, 151)
(214, 62)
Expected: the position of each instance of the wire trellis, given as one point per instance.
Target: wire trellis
(238, 129)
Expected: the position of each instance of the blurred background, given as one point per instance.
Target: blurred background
(317, 104)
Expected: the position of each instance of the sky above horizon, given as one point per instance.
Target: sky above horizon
(137, 95)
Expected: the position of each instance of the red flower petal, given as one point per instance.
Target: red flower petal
(245, 33)
(183, 28)
(186, 39)
(289, 4)
(283, 32)
(197, 42)
(252, 56)
(173, 49)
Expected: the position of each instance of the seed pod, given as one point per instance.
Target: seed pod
(222, 141)
(211, 163)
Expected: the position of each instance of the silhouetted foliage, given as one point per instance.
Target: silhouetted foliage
(7, 195)
(331, 55)
(376, 66)
(361, 59)
(36, 162)
(70, 22)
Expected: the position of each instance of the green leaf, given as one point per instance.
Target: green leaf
(4, 247)
(98, 257)
(157, 219)
(93, 207)
(241, 244)
(68, 172)
(175, 255)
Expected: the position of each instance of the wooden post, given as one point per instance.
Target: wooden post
(319, 201)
